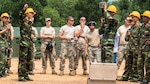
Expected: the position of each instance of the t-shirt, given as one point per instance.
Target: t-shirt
(93, 38)
(85, 31)
(68, 31)
(122, 33)
(47, 31)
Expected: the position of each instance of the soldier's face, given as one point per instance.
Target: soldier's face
(5, 20)
(30, 15)
(91, 27)
(145, 19)
(82, 20)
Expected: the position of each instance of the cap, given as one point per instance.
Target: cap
(47, 19)
(91, 23)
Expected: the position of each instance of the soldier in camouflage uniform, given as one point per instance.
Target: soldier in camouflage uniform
(132, 49)
(81, 31)
(92, 46)
(34, 36)
(26, 45)
(47, 34)
(10, 48)
(108, 30)
(66, 34)
(4, 32)
(144, 56)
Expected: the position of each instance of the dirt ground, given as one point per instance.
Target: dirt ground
(52, 79)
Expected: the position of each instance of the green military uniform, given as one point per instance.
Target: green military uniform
(26, 48)
(143, 58)
(108, 31)
(3, 51)
(132, 54)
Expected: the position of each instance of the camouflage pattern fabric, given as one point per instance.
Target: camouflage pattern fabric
(94, 53)
(67, 50)
(108, 31)
(80, 48)
(143, 59)
(132, 53)
(47, 54)
(26, 48)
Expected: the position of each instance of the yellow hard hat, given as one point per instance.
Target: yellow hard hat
(112, 8)
(135, 13)
(146, 13)
(4, 15)
(28, 10)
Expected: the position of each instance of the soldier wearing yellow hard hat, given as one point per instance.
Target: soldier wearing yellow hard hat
(25, 66)
(132, 49)
(4, 29)
(108, 30)
(144, 57)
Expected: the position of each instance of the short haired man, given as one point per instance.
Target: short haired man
(47, 34)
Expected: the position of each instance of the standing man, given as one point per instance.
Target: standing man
(144, 56)
(26, 45)
(66, 34)
(34, 35)
(132, 36)
(4, 32)
(108, 30)
(80, 34)
(122, 43)
(92, 45)
(47, 34)
(10, 47)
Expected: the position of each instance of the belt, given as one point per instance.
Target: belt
(122, 44)
(93, 46)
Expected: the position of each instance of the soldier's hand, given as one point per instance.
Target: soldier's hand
(8, 26)
(85, 53)
(25, 6)
(147, 42)
(82, 25)
(102, 20)
(128, 33)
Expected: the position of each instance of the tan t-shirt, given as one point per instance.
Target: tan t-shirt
(47, 31)
(85, 31)
(68, 31)
(122, 33)
(93, 38)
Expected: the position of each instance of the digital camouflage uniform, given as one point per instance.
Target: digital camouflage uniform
(3, 51)
(26, 48)
(132, 54)
(143, 59)
(80, 48)
(67, 48)
(108, 31)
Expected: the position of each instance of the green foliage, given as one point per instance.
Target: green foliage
(58, 10)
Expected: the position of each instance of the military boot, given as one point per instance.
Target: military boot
(9, 71)
(54, 72)
(31, 73)
(44, 71)
(61, 73)
(85, 72)
(72, 73)
(75, 72)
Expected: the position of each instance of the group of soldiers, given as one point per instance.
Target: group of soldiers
(81, 41)
(6, 37)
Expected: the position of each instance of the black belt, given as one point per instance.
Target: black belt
(122, 44)
(93, 46)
